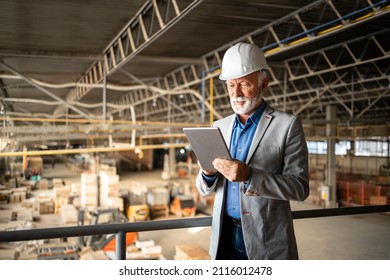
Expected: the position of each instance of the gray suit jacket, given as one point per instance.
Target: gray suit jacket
(279, 159)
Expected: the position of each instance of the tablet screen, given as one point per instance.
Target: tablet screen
(208, 144)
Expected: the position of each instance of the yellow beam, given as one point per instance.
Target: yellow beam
(92, 150)
(211, 100)
(160, 136)
(163, 124)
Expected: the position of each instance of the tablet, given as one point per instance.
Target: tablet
(208, 144)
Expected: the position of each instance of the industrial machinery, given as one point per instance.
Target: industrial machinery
(183, 206)
(57, 251)
(104, 216)
(137, 213)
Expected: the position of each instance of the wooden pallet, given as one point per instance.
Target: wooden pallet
(159, 211)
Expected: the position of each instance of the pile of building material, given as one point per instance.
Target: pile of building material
(88, 253)
(18, 194)
(109, 189)
(36, 163)
(158, 201)
(6, 216)
(75, 194)
(89, 190)
(24, 214)
(69, 213)
(61, 196)
(138, 209)
(16, 220)
(13, 195)
(45, 205)
(5, 194)
(191, 252)
(7, 254)
(100, 188)
(43, 184)
(144, 250)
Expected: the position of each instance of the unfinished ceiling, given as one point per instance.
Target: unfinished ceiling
(70, 70)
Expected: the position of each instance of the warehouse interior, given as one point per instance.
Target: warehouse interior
(94, 96)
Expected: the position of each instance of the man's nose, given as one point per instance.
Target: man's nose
(236, 90)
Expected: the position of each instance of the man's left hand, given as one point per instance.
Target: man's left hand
(233, 170)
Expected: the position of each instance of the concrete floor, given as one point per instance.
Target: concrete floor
(356, 237)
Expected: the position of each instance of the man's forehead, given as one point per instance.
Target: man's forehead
(251, 77)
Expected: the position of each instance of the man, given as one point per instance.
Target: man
(251, 213)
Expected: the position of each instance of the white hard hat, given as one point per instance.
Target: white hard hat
(242, 59)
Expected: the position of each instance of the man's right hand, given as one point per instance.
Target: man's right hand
(208, 172)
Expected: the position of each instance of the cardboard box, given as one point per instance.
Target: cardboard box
(191, 252)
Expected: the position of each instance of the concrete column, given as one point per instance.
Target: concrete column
(172, 162)
(331, 155)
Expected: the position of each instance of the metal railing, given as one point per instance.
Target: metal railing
(120, 229)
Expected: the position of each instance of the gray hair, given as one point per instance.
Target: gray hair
(261, 77)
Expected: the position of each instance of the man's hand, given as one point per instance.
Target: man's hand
(207, 172)
(233, 170)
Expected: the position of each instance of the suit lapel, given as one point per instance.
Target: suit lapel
(265, 120)
(227, 129)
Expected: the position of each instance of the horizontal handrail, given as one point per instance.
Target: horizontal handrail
(86, 230)
(329, 212)
(120, 228)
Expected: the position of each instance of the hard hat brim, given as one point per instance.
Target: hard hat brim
(232, 77)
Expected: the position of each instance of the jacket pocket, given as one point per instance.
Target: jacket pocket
(267, 158)
(279, 234)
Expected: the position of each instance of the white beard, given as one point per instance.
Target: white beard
(247, 107)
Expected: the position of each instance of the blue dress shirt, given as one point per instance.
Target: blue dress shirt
(241, 140)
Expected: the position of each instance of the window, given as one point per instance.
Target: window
(317, 147)
(362, 147)
(342, 147)
(371, 148)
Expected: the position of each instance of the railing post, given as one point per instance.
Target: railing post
(378, 194)
(121, 245)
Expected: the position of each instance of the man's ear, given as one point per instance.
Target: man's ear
(264, 84)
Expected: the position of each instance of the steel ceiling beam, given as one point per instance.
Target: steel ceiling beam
(145, 27)
(372, 103)
(52, 95)
(192, 76)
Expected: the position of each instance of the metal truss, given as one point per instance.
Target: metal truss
(151, 21)
(353, 74)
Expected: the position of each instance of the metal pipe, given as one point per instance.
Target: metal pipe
(120, 245)
(44, 90)
(104, 95)
(134, 122)
(162, 92)
(211, 100)
(143, 125)
(93, 150)
(86, 230)
(159, 136)
(356, 210)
